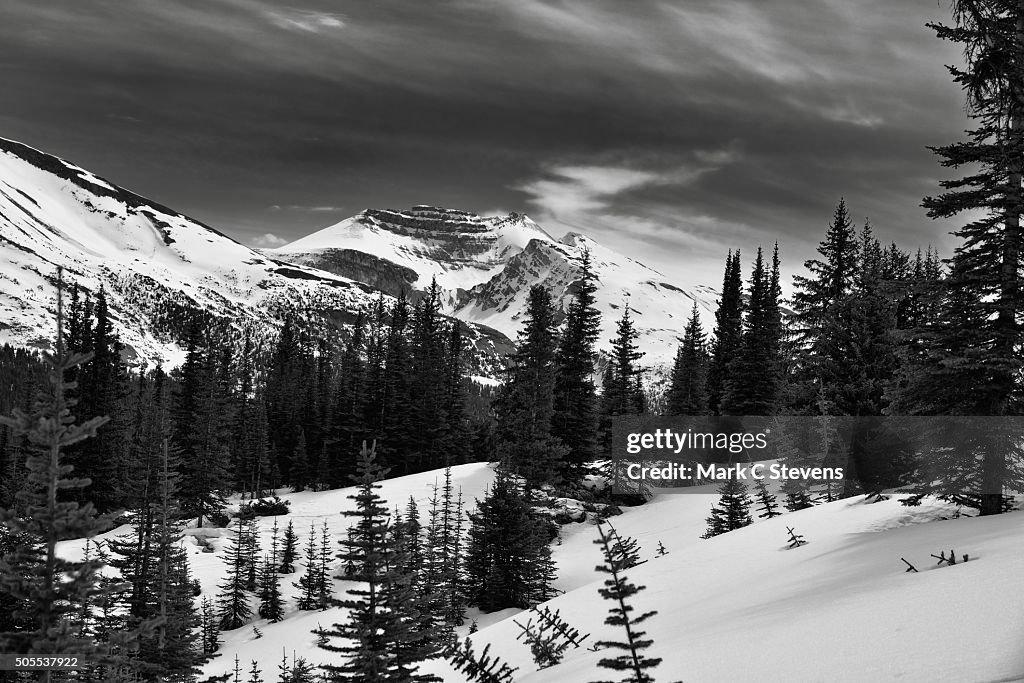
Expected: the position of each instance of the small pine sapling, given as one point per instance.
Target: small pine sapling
(480, 668)
(550, 638)
(255, 675)
(662, 552)
(625, 550)
(618, 590)
(795, 540)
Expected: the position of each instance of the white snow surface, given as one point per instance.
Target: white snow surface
(742, 606)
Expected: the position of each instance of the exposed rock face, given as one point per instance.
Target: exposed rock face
(381, 274)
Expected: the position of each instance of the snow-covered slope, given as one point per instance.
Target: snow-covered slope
(154, 263)
(739, 607)
(485, 267)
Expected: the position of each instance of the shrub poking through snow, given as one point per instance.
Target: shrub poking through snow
(951, 560)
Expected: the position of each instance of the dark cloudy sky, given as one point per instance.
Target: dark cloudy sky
(671, 130)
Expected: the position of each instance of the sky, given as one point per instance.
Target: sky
(671, 131)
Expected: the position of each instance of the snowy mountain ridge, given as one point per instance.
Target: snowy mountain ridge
(157, 266)
(485, 266)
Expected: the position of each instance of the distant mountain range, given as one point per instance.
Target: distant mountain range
(157, 265)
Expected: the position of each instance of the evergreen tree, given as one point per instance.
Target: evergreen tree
(831, 281)
(251, 554)
(397, 433)
(752, 383)
(233, 603)
(288, 551)
(575, 402)
(348, 427)
(325, 585)
(454, 448)
(621, 392)
(728, 332)
(209, 628)
(271, 604)
(508, 561)
(309, 583)
(525, 405)
(255, 675)
(766, 500)
(981, 364)
(201, 427)
(797, 497)
(732, 511)
(687, 392)
(380, 628)
(619, 590)
(482, 668)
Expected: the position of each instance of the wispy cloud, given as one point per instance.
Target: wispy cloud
(305, 20)
(609, 203)
(571, 190)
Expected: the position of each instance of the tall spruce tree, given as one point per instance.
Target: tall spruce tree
(687, 391)
(728, 334)
(233, 609)
(973, 352)
(524, 408)
(381, 615)
(508, 561)
(817, 308)
(309, 582)
(752, 383)
(574, 421)
(622, 391)
(201, 427)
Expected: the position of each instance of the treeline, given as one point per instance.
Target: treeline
(872, 331)
(249, 419)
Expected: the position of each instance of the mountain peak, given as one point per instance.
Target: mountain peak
(485, 266)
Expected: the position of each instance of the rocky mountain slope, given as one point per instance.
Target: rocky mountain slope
(486, 265)
(156, 265)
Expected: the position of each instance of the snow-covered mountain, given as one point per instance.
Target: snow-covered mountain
(486, 265)
(155, 264)
(158, 265)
